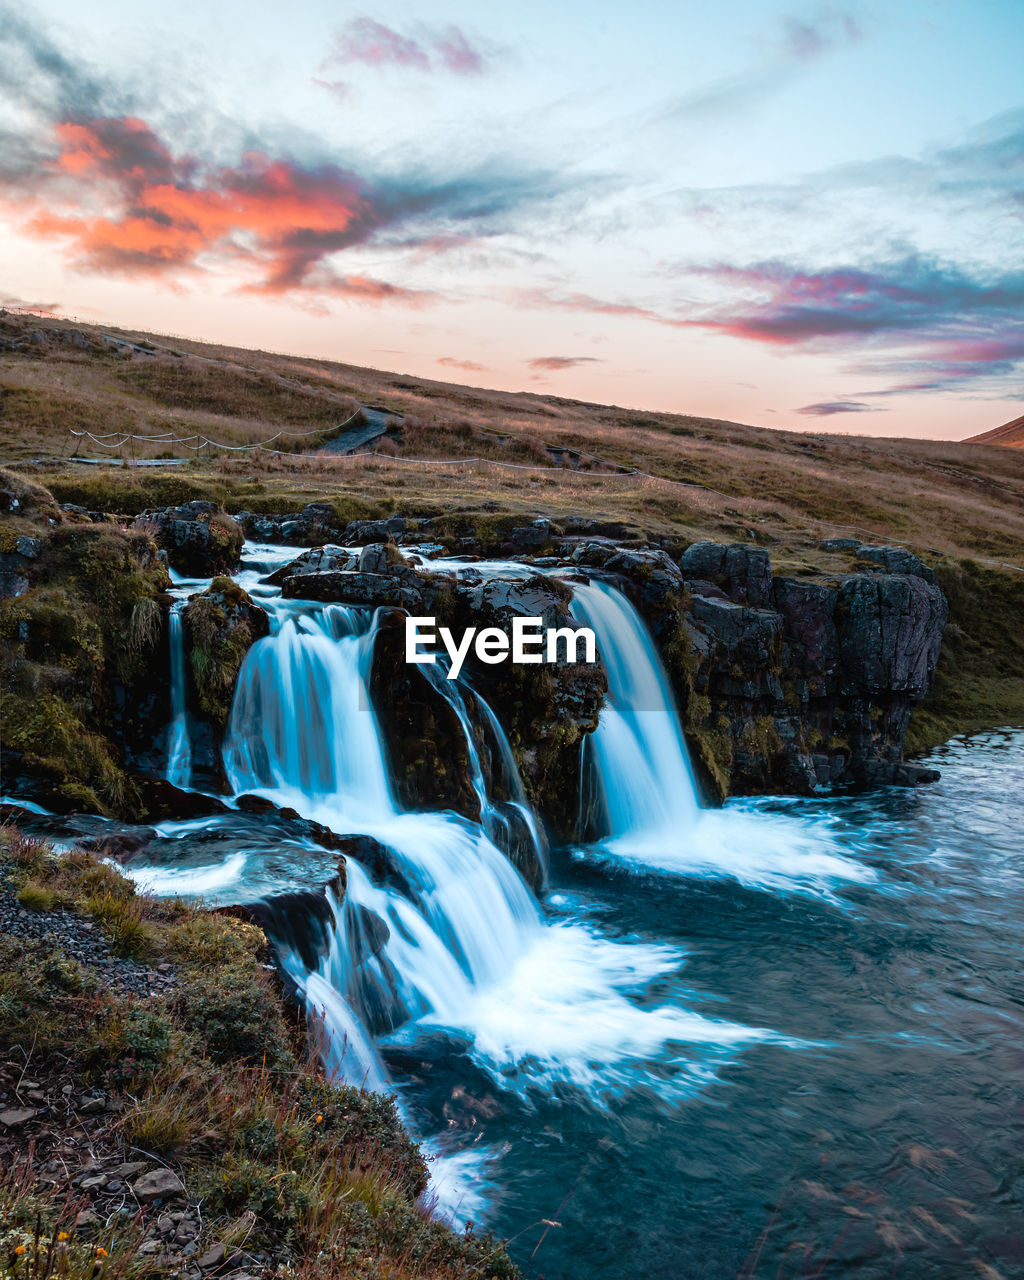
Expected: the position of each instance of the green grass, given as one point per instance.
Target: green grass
(215, 1076)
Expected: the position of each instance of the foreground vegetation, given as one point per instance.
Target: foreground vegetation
(207, 1079)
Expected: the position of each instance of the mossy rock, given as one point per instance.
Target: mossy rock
(221, 625)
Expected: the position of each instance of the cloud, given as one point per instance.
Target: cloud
(470, 366)
(124, 203)
(89, 168)
(366, 42)
(555, 363)
(826, 408)
(801, 40)
(952, 325)
(809, 38)
(549, 299)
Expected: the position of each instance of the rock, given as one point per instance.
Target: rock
(428, 756)
(530, 537)
(86, 1218)
(17, 566)
(811, 689)
(220, 625)
(593, 553)
(889, 633)
(93, 1184)
(29, 547)
(130, 1168)
(375, 558)
(897, 560)
(15, 1117)
(401, 587)
(326, 559)
(158, 1184)
(495, 602)
(211, 1258)
(200, 539)
(840, 544)
(744, 572)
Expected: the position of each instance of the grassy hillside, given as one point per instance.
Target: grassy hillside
(1010, 435)
(703, 476)
(480, 456)
(160, 1106)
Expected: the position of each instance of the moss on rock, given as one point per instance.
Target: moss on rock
(86, 627)
(221, 625)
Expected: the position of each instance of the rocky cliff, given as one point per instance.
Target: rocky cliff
(788, 683)
(784, 682)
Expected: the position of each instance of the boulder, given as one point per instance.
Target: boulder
(220, 625)
(744, 572)
(200, 539)
(897, 560)
(312, 526)
(158, 1184)
(326, 559)
(401, 588)
(889, 634)
(427, 749)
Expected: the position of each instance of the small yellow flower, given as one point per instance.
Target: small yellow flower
(19, 1250)
(318, 1119)
(101, 1252)
(62, 1235)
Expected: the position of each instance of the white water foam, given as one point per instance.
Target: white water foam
(652, 813)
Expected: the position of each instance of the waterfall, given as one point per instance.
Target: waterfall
(640, 762)
(641, 768)
(179, 746)
(448, 936)
(511, 824)
(304, 734)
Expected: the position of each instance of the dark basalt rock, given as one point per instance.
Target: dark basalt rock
(317, 524)
(785, 684)
(743, 572)
(326, 559)
(200, 539)
(405, 591)
(897, 560)
(889, 631)
(428, 755)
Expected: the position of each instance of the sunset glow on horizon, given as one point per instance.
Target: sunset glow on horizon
(809, 216)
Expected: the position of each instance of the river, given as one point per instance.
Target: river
(779, 1039)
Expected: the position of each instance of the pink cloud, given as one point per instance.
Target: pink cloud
(451, 363)
(554, 364)
(370, 43)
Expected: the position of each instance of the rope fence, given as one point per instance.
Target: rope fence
(391, 460)
(121, 438)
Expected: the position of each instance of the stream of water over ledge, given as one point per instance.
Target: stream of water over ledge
(779, 1039)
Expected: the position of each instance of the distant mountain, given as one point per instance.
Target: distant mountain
(1010, 434)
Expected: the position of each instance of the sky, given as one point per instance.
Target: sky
(801, 215)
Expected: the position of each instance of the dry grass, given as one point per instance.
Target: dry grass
(213, 1077)
(544, 455)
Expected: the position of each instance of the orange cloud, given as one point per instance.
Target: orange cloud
(125, 204)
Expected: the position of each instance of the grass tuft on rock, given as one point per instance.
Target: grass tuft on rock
(210, 1079)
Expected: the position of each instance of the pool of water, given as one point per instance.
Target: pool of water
(882, 1137)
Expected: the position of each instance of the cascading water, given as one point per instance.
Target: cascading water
(641, 768)
(304, 735)
(640, 760)
(179, 747)
(451, 938)
(511, 823)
